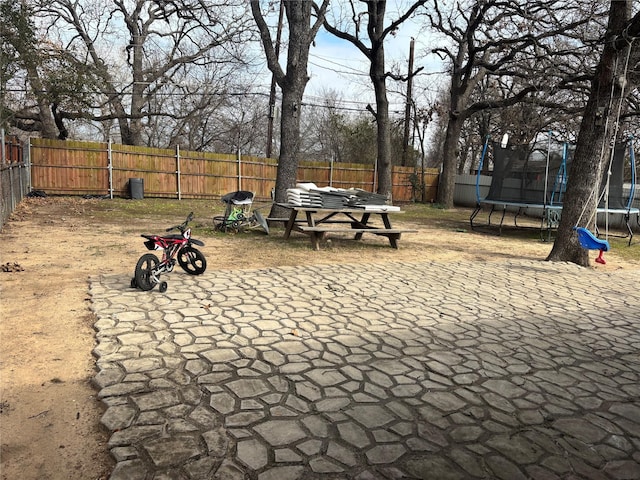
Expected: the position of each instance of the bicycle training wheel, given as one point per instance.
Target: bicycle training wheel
(144, 268)
(192, 260)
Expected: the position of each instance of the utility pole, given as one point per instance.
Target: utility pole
(407, 111)
(272, 93)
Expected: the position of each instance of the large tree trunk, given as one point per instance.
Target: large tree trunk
(385, 168)
(598, 128)
(137, 94)
(450, 153)
(48, 127)
(460, 89)
(289, 144)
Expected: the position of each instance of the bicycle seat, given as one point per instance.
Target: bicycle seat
(172, 236)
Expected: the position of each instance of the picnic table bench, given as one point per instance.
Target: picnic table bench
(318, 222)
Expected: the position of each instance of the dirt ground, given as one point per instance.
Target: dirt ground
(50, 416)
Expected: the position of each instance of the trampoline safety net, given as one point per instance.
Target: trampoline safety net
(520, 175)
(617, 197)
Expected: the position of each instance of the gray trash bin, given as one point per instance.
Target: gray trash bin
(136, 188)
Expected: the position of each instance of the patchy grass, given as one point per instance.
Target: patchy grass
(154, 215)
(156, 207)
(624, 250)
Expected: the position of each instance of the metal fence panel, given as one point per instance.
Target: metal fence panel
(14, 175)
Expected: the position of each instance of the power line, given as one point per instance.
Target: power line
(344, 67)
(314, 101)
(163, 94)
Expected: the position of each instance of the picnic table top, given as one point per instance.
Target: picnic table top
(363, 209)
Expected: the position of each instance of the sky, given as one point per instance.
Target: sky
(337, 64)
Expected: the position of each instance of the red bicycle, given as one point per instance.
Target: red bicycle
(176, 248)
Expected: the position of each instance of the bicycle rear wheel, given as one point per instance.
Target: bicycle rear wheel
(145, 279)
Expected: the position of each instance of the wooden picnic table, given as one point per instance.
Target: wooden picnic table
(318, 222)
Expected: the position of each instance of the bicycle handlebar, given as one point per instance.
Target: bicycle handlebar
(183, 226)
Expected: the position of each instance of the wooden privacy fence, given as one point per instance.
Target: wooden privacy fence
(91, 168)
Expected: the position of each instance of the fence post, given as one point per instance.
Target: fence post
(4, 147)
(239, 170)
(331, 171)
(27, 161)
(178, 172)
(375, 174)
(20, 182)
(12, 189)
(110, 168)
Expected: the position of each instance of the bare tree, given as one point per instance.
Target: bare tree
(513, 40)
(134, 49)
(615, 76)
(332, 130)
(373, 48)
(322, 126)
(291, 81)
(525, 122)
(222, 112)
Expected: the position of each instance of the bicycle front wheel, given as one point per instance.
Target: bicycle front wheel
(192, 260)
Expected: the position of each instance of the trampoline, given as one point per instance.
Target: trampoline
(526, 180)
